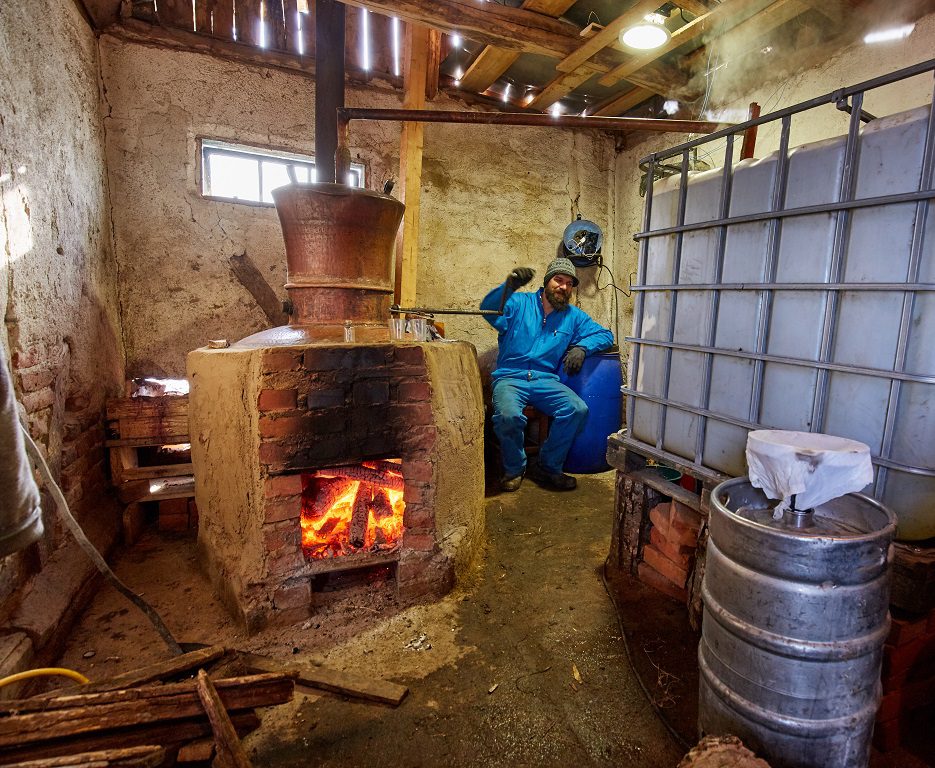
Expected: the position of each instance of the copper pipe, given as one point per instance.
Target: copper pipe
(346, 114)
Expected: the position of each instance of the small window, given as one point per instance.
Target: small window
(248, 174)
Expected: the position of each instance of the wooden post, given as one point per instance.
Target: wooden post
(329, 84)
(749, 136)
(415, 60)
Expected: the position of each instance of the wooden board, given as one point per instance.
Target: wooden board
(357, 686)
(132, 757)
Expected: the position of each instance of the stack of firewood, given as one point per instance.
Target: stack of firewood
(139, 719)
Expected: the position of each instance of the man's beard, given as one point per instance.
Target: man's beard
(558, 300)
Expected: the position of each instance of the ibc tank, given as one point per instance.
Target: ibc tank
(598, 384)
(767, 348)
(795, 616)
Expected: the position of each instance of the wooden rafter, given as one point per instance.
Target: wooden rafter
(723, 17)
(492, 62)
(607, 36)
(620, 104)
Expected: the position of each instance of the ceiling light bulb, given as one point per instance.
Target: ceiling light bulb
(648, 34)
(456, 40)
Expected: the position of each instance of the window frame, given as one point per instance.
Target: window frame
(224, 147)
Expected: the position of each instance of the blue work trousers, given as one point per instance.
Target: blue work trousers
(551, 397)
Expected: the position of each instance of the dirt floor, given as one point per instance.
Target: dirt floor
(524, 665)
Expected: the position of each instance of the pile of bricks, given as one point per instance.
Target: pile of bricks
(669, 555)
(908, 675)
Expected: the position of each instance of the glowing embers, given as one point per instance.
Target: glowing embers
(352, 509)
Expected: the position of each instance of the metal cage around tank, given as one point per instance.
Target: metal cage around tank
(728, 337)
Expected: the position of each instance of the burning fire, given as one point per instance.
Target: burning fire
(346, 510)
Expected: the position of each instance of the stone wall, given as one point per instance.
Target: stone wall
(492, 198)
(59, 288)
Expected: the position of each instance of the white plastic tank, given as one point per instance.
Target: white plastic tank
(861, 383)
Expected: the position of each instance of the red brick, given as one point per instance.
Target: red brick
(296, 596)
(30, 381)
(278, 536)
(26, 358)
(409, 355)
(287, 562)
(912, 696)
(684, 516)
(897, 660)
(418, 516)
(279, 361)
(680, 554)
(285, 426)
(659, 517)
(414, 415)
(277, 399)
(173, 523)
(283, 508)
(904, 631)
(371, 392)
(652, 578)
(662, 564)
(415, 471)
(173, 507)
(415, 390)
(36, 401)
(419, 542)
(325, 398)
(283, 485)
(886, 735)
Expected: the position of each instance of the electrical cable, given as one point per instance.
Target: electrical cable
(33, 450)
(626, 647)
(43, 672)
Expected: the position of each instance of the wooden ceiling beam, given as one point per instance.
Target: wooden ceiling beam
(492, 62)
(607, 36)
(617, 105)
(710, 24)
(694, 7)
(561, 86)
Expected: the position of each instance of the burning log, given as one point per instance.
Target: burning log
(380, 475)
(381, 506)
(360, 516)
(327, 491)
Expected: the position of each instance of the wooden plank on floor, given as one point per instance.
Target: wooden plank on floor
(345, 683)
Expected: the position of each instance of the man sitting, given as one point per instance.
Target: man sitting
(538, 332)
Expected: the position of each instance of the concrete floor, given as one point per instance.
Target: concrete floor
(525, 664)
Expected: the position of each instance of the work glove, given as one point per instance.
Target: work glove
(573, 360)
(518, 278)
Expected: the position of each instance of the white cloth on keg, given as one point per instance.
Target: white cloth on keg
(19, 496)
(814, 467)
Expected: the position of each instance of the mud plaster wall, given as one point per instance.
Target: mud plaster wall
(57, 271)
(458, 405)
(851, 66)
(492, 198)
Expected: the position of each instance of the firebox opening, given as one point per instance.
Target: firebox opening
(352, 509)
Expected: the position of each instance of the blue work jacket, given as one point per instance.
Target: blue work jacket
(532, 343)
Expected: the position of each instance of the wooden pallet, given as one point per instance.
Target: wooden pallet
(134, 425)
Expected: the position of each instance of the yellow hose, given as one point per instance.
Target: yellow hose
(41, 672)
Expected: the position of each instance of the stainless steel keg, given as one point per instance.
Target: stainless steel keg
(795, 616)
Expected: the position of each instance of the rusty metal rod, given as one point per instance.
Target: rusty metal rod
(346, 114)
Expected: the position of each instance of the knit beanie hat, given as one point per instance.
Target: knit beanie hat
(560, 266)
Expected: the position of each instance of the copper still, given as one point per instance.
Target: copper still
(339, 253)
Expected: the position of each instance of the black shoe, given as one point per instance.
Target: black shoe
(558, 481)
(511, 483)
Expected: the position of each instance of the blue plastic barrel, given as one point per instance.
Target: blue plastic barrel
(598, 384)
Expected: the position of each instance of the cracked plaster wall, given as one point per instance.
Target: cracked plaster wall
(492, 198)
(58, 276)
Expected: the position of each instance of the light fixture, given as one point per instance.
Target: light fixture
(888, 35)
(648, 34)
